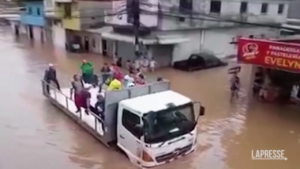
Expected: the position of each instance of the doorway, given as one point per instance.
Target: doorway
(42, 35)
(104, 47)
(30, 31)
(17, 33)
(86, 44)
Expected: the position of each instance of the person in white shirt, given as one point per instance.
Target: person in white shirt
(137, 64)
(152, 64)
(129, 80)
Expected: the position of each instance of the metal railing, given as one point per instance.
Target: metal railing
(66, 106)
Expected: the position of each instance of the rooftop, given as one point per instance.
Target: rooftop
(155, 102)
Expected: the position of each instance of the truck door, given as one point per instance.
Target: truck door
(128, 135)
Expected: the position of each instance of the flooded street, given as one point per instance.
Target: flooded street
(35, 134)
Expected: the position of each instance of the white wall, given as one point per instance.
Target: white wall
(58, 36)
(49, 5)
(216, 41)
(254, 8)
(229, 9)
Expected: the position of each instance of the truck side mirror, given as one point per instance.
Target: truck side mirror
(139, 130)
(199, 109)
(202, 111)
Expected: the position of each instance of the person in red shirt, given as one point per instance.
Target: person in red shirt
(140, 79)
(117, 73)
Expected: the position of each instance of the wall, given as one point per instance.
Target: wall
(216, 41)
(254, 10)
(33, 14)
(229, 9)
(58, 35)
(92, 12)
(49, 5)
(294, 11)
(72, 23)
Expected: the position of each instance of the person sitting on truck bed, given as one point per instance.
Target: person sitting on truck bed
(140, 79)
(77, 86)
(114, 84)
(98, 108)
(129, 79)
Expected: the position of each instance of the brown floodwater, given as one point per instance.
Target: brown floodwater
(35, 134)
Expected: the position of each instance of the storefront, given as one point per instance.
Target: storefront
(276, 67)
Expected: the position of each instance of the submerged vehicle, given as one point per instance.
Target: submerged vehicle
(199, 61)
(151, 124)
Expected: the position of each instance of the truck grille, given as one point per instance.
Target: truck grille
(176, 153)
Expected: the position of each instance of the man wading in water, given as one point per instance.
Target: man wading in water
(77, 87)
(234, 86)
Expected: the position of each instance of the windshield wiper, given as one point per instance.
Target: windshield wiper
(162, 143)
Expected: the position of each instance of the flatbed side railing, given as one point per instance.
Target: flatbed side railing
(66, 104)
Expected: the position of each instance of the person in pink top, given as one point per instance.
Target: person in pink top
(117, 73)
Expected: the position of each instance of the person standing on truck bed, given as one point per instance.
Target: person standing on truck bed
(87, 70)
(77, 87)
(85, 100)
(105, 73)
(50, 76)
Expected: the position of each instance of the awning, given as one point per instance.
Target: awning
(102, 30)
(151, 40)
(171, 39)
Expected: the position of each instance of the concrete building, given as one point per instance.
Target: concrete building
(175, 34)
(293, 20)
(70, 20)
(33, 20)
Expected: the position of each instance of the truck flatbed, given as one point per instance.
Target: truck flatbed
(93, 123)
(63, 98)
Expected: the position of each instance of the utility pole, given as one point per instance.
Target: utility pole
(135, 8)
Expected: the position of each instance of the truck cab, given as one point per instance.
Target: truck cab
(157, 128)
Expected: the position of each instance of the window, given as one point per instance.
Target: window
(29, 10)
(264, 8)
(280, 8)
(68, 10)
(215, 6)
(244, 7)
(130, 121)
(185, 6)
(38, 12)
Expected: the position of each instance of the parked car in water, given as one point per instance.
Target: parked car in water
(199, 61)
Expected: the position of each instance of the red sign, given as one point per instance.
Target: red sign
(269, 53)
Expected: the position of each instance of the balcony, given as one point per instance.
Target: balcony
(82, 14)
(64, 1)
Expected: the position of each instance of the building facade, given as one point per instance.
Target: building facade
(33, 20)
(178, 32)
(74, 18)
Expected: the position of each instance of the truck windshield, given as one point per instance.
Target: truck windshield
(170, 123)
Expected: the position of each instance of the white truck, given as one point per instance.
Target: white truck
(151, 124)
